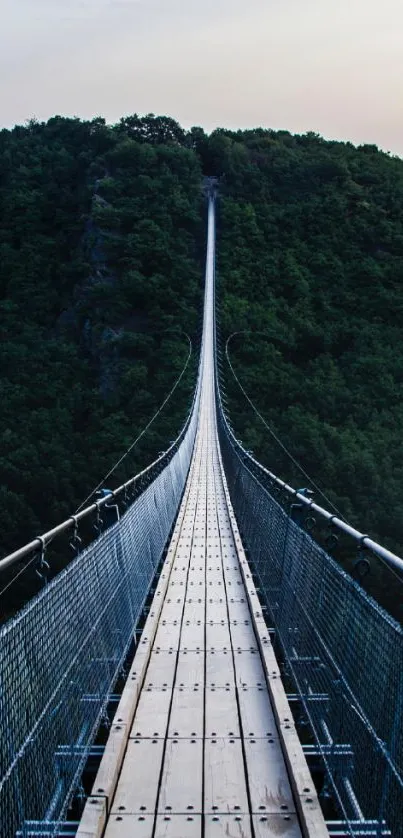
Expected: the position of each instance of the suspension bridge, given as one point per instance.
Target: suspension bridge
(262, 695)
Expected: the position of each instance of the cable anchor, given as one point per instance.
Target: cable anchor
(42, 567)
(299, 510)
(361, 565)
(125, 499)
(99, 522)
(75, 541)
(331, 540)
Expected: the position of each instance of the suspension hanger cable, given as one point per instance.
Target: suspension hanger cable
(144, 430)
(119, 461)
(19, 573)
(266, 424)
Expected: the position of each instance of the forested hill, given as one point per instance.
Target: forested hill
(101, 252)
(311, 255)
(99, 272)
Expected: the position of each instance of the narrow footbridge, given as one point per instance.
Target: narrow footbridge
(264, 694)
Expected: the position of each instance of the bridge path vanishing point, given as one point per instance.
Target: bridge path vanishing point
(212, 749)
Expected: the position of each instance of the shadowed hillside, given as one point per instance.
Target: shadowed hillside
(99, 272)
(101, 251)
(310, 264)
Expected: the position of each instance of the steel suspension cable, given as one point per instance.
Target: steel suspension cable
(144, 430)
(270, 430)
(118, 462)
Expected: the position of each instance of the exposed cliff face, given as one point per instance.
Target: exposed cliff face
(98, 342)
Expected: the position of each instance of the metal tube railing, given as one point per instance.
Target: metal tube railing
(363, 539)
(44, 539)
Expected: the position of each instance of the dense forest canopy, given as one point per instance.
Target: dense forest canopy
(99, 273)
(102, 237)
(311, 266)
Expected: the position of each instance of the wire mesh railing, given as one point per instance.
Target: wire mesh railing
(62, 654)
(343, 652)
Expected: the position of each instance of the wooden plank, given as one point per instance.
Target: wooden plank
(242, 635)
(176, 596)
(228, 548)
(222, 719)
(194, 609)
(182, 777)
(238, 608)
(137, 789)
(218, 636)
(308, 806)
(190, 670)
(216, 609)
(151, 717)
(167, 636)
(130, 826)
(187, 714)
(166, 826)
(176, 588)
(256, 713)
(219, 669)
(224, 777)
(229, 826)
(215, 588)
(235, 587)
(273, 826)
(231, 579)
(214, 574)
(262, 632)
(269, 786)
(196, 585)
(127, 704)
(93, 820)
(161, 670)
(248, 669)
(192, 636)
(198, 552)
(195, 597)
(213, 546)
(171, 611)
(178, 826)
(108, 771)
(231, 572)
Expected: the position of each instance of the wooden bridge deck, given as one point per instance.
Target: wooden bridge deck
(203, 742)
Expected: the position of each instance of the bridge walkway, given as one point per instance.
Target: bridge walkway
(203, 742)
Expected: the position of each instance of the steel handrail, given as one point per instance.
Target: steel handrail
(41, 541)
(364, 540)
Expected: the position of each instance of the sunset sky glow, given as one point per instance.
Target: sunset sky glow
(303, 65)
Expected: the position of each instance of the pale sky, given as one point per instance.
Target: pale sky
(331, 66)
